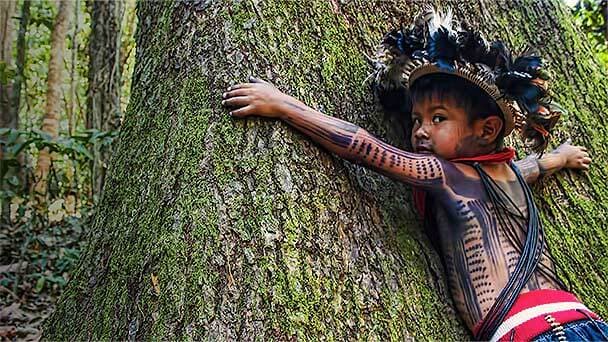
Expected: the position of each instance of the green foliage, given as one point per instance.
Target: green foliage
(41, 238)
(47, 234)
(590, 15)
(76, 148)
(6, 73)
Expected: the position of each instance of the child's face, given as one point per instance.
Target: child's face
(443, 128)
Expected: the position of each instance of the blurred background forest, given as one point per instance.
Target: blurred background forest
(65, 79)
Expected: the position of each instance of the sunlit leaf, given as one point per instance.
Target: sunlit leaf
(155, 284)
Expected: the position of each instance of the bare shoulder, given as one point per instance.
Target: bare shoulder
(500, 172)
(466, 170)
(463, 183)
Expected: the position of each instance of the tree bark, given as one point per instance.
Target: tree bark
(50, 123)
(7, 12)
(217, 229)
(103, 96)
(20, 61)
(73, 77)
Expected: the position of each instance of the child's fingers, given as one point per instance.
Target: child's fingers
(238, 101)
(241, 112)
(257, 80)
(237, 92)
(586, 160)
(240, 86)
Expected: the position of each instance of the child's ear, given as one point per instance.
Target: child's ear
(491, 128)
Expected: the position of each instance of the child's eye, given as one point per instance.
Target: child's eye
(438, 118)
(416, 121)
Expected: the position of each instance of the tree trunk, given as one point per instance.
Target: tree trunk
(7, 12)
(211, 228)
(8, 119)
(50, 123)
(20, 61)
(103, 97)
(73, 76)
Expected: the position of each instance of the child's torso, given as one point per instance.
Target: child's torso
(479, 248)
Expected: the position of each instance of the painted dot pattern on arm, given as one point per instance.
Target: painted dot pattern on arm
(423, 171)
(353, 143)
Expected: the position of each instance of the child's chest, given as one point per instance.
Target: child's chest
(466, 199)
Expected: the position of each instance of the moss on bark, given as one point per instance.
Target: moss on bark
(214, 228)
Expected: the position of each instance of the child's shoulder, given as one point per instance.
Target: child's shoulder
(500, 172)
(464, 180)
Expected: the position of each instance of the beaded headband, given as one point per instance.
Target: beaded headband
(431, 46)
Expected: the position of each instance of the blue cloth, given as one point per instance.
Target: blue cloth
(583, 330)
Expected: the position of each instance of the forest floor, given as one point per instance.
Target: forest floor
(37, 258)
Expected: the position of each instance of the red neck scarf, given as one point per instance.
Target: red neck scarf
(504, 156)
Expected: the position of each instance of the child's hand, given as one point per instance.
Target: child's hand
(255, 98)
(575, 157)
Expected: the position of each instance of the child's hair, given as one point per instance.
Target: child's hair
(463, 93)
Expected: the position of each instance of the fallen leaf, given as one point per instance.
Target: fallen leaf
(70, 204)
(14, 267)
(8, 332)
(10, 312)
(14, 209)
(155, 285)
(56, 212)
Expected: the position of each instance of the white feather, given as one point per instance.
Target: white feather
(438, 19)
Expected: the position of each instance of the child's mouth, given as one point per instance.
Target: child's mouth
(424, 150)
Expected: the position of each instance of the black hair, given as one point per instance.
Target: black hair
(463, 93)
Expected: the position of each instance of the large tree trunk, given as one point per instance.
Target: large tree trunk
(50, 122)
(103, 96)
(213, 228)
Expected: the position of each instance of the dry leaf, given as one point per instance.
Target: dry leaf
(155, 285)
(70, 204)
(8, 332)
(56, 211)
(14, 267)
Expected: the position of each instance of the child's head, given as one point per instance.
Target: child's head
(452, 117)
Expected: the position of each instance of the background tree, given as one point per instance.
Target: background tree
(41, 237)
(105, 70)
(8, 117)
(217, 229)
(7, 12)
(50, 123)
(19, 78)
(592, 17)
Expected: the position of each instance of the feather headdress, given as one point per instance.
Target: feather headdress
(432, 44)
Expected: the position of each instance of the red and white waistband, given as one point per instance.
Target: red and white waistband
(538, 311)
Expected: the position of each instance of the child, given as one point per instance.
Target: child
(464, 96)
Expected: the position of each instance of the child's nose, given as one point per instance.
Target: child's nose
(421, 133)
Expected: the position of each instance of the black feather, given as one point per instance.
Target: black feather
(499, 57)
(443, 48)
(472, 46)
(518, 86)
(411, 40)
(392, 38)
(531, 65)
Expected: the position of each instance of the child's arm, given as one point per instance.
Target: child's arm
(345, 139)
(565, 156)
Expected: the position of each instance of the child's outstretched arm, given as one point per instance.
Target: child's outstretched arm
(345, 139)
(565, 156)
